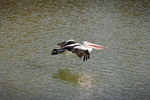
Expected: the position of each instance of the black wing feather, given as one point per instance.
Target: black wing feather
(82, 53)
(62, 44)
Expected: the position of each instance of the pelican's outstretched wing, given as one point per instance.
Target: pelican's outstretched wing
(62, 44)
(82, 53)
(65, 43)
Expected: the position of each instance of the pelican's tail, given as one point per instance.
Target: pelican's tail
(57, 51)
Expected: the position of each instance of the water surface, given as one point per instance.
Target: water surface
(31, 29)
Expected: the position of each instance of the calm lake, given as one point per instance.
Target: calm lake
(31, 29)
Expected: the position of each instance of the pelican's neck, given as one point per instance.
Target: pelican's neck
(89, 49)
(85, 44)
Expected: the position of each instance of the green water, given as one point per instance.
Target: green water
(30, 30)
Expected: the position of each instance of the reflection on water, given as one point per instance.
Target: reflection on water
(31, 29)
(83, 80)
(67, 75)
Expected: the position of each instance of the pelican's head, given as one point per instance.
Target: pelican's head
(92, 45)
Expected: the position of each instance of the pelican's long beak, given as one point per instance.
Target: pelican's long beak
(96, 46)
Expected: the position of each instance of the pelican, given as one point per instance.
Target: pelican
(81, 50)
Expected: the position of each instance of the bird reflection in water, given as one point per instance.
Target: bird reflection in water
(67, 75)
(76, 79)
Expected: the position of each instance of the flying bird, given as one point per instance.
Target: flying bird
(81, 50)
